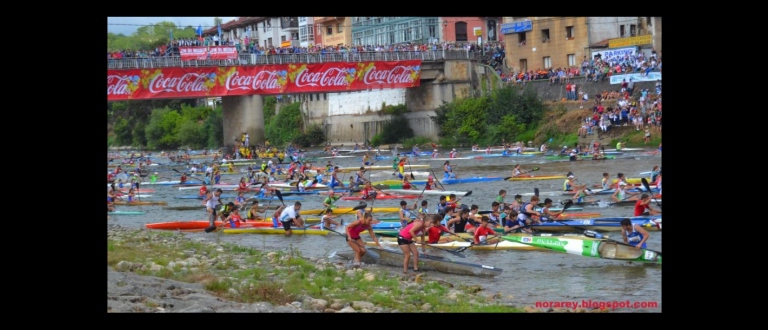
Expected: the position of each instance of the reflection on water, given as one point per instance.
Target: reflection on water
(528, 277)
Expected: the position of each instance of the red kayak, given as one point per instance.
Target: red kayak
(388, 196)
(201, 225)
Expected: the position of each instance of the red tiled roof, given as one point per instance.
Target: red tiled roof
(600, 44)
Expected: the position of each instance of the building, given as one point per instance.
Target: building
(394, 30)
(334, 31)
(533, 43)
(265, 31)
(468, 29)
(306, 32)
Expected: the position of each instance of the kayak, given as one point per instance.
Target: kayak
(381, 167)
(426, 262)
(597, 248)
(626, 149)
(125, 196)
(536, 177)
(466, 241)
(407, 172)
(138, 191)
(201, 225)
(137, 203)
(331, 157)
(126, 213)
(601, 203)
(425, 192)
(229, 187)
(566, 157)
(339, 210)
(444, 159)
(271, 230)
(185, 208)
(293, 186)
(598, 224)
(274, 198)
(466, 180)
(201, 197)
(379, 196)
(504, 155)
(634, 180)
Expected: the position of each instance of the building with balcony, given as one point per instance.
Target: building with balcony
(334, 31)
(533, 43)
(264, 31)
(395, 30)
(306, 32)
(468, 29)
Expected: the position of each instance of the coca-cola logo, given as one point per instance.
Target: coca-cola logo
(122, 85)
(189, 82)
(261, 80)
(397, 75)
(332, 77)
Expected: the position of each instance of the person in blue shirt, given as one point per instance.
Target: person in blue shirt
(634, 234)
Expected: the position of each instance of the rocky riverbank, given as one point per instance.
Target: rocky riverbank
(167, 272)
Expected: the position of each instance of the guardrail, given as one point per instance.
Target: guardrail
(254, 59)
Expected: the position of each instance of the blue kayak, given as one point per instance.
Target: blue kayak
(201, 197)
(599, 224)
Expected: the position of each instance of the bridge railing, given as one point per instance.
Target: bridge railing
(258, 59)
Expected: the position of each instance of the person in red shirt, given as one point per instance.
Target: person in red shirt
(643, 206)
(485, 229)
(203, 190)
(243, 185)
(435, 230)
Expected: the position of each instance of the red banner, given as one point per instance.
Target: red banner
(208, 53)
(264, 79)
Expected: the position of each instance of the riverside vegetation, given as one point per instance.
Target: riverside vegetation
(281, 278)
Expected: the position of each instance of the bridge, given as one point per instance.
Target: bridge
(444, 75)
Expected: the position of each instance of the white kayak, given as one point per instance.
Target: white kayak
(444, 159)
(287, 185)
(125, 196)
(383, 167)
(330, 157)
(426, 192)
(626, 149)
(415, 173)
(216, 186)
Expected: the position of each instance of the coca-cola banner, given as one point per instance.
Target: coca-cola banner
(208, 53)
(265, 79)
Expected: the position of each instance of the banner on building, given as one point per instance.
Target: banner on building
(608, 54)
(636, 77)
(208, 53)
(264, 79)
(645, 39)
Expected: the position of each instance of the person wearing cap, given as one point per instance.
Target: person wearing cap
(570, 182)
(643, 206)
(253, 212)
(153, 178)
(453, 153)
(621, 193)
(435, 154)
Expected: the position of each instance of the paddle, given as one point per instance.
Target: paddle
(410, 169)
(456, 253)
(437, 180)
(531, 170)
(647, 187)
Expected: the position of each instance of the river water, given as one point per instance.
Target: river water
(528, 276)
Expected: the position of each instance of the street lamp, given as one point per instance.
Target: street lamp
(445, 25)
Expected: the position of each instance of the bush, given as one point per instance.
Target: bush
(396, 130)
(285, 126)
(377, 140)
(314, 136)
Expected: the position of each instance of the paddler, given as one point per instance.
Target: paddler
(353, 236)
(453, 153)
(366, 160)
(328, 221)
(153, 178)
(230, 167)
(634, 234)
(405, 240)
(485, 229)
(621, 193)
(401, 168)
(643, 206)
(395, 163)
(332, 198)
(183, 178)
(253, 212)
(435, 230)
(448, 171)
(406, 183)
(405, 213)
(203, 190)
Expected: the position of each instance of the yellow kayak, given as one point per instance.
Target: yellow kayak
(341, 210)
(262, 230)
(634, 180)
(531, 153)
(387, 182)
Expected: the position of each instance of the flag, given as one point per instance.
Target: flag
(200, 32)
(219, 31)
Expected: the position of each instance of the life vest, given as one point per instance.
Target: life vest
(523, 210)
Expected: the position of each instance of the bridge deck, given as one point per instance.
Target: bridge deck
(253, 59)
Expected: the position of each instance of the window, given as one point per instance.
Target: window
(282, 38)
(461, 31)
(621, 31)
(269, 41)
(325, 96)
(264, 26)
(491, 30)
(521, 39)
(339, 28)
(328, 30)
(310, 97)
(571, 59)
(632, 30)
(568, 32)
(294, 36)
(545, 35)
(523, 64)
(648, 21)
(269, 23)
(547, 62)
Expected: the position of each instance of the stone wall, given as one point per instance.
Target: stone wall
(557, 92)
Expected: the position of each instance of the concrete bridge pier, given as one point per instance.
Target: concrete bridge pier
(243, 114)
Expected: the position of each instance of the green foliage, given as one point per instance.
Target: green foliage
(377, 140)
(162, 132)
(270, 102)
(285, 126)
(313, 136)
(214, 128)
(394, 109)
(122, 130)
(139, 134)
(396, 130)
(192, 134)
(416, 141)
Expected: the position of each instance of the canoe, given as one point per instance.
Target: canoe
(381, 167)
(426, 262)
(201, 197)
(467, 243)
(626, 149)
(605, 203)
(138, 191)
(125, 196)
(511, 154)
(536, 177)
(201, 225)
(288, 185)
(566, 157)
(444, 159)
(426, 192)
(270, 230)
(340, 210)
(360, 198)
(185, 208)
(598, 224)
(126, 213)
(596, 248)
(468, 180)
(138, 203)
(274, 198)
(634, 180)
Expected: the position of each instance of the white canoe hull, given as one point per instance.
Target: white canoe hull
(444, 159)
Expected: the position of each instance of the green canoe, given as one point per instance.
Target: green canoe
(596, 248)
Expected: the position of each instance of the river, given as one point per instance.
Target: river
(528, 276)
